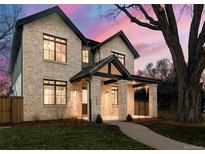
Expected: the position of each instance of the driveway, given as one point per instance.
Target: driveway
(148, 137)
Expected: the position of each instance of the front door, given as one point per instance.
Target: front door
(141, 107)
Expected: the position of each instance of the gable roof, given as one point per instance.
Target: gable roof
(19, 28)
(50, 11)
(91, 70)
(125, 40)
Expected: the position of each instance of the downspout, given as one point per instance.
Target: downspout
(89, 83)
(90, 101)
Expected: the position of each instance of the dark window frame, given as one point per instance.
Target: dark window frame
(119, 54)
(54, 90)
(55, 42)
(115, 90)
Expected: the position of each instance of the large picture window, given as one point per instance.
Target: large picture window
(115, 95)
(54, 48)
(120, 57)
(55, 92)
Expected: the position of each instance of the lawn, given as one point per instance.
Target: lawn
(66, 136)
(185, 133)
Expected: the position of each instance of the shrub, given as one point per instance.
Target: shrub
(129, 117)
(99, 119)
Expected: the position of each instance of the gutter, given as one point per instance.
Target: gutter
(90, 101)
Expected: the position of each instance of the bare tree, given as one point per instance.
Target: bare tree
(163, 70)
(188, 74)
(9, 14)
(167, 89)
(4, 87)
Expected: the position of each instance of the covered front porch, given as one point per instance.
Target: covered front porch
(107, 89)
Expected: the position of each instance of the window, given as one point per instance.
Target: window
(85, 56)
(55, 92)
(54, 48)
(115, 95)
(120, 57)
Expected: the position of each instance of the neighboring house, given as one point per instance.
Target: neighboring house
(61, 74)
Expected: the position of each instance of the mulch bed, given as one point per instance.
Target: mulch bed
(72, 121)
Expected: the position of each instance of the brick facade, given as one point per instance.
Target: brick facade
(35, 69)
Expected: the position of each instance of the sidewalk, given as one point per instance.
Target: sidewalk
(148, 137)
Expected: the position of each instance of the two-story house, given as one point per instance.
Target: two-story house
(62, 74)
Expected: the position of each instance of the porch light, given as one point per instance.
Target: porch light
(106, 94)
(75, 92)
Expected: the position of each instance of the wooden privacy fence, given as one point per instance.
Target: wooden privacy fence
(11, 109)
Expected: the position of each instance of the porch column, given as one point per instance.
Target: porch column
(122, 90)
(95, 97)
(153, 100)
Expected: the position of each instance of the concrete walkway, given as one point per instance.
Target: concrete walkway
(146, 136)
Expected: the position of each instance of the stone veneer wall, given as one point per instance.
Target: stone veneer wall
(118, 46)
(123, 84)
(35, 69)
(130, 99)
(95, 97)
(153, 100)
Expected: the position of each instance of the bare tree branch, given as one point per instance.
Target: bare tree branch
(152, 21)
(135, 20)
(2, 47)
(172, 20)
(201, 38)
(194, 29)
(6, 32)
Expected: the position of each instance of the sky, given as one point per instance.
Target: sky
(90, 21)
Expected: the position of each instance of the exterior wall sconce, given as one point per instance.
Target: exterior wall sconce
(75, 92)
(106, 94)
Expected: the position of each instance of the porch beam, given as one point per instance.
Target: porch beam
(112, 76)
(109, 81)
(139, 85)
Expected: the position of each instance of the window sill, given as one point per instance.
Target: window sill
(56, 62)
(54, 105)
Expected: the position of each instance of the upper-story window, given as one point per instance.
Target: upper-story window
(54, 48)
(85, 56)
(121, 57)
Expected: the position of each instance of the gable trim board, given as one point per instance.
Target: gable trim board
(19, 28)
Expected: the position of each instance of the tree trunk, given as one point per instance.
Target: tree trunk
(189, 102)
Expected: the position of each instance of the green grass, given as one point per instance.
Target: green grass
(167, 126)
(66, 136)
